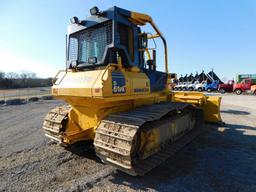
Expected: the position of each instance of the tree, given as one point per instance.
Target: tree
(27, 76)
(12, 75)
(2, 75)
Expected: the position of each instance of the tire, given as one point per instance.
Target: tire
(222, 91)
(209, 90)
(238, 91)
(200, 89)
(190, 89)
(184, 89)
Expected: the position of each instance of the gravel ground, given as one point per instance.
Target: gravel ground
(221, 159)
(24, 92)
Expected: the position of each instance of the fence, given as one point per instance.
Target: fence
(25, 93)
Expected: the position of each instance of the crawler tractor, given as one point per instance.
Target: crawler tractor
(118, 98)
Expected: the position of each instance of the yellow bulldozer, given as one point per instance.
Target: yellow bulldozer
(118, 98)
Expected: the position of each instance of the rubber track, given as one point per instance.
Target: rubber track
(115, 137)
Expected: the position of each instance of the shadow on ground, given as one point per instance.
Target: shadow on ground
(220, 159)
(236, 126)
(215, 161)
(236, 112)
(84, 149)
(180, 166)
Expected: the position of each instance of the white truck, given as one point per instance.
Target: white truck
(200, 86)
(192, 86)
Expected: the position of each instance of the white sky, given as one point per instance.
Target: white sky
(201, 35)
(13, 62)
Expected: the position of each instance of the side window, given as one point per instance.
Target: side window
(126, 39)
(73, 47)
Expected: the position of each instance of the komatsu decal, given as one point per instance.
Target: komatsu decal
(118, 83)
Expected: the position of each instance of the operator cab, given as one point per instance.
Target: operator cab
(109, 37)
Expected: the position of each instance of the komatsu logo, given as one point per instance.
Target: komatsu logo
(118, 83)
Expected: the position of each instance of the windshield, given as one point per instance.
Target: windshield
(90, 43)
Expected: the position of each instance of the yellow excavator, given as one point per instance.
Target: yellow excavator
(118, 98)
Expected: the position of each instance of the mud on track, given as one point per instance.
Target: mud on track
(221, 159)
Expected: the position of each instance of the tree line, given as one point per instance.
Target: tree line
(22, 80)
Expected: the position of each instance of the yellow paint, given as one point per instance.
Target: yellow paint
(140, 19)
(90, 93)
(212, 109)
(148, 54)
(150, 143)
(253, 89)
(209, 104)
(143, 19)
(153, 36)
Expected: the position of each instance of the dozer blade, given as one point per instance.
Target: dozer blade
(209, 104)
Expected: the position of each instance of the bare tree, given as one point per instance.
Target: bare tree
(12, 75)
(27, 75)
(26, 78)
(2, 75)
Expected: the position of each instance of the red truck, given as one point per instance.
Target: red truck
(226, 87)
(244, 86)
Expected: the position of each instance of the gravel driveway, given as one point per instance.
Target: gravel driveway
(221, 159)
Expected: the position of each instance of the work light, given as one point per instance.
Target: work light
(94, 11)
(74, 20)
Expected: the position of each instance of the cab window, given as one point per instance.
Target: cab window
(126, 39)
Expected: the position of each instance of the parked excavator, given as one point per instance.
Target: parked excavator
(118, 98)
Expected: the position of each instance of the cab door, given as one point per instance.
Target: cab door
(247, 84)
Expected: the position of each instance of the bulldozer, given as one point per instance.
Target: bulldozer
(118, 99)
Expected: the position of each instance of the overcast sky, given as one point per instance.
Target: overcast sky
(201, 34)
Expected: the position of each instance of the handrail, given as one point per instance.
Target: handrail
(54, 83)
(109, 65)
(142, 19)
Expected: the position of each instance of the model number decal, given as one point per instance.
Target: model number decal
(118, 83)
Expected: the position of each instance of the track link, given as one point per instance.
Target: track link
(116, 137)
(55, 121)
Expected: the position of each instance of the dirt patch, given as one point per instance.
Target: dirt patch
(221, 159)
